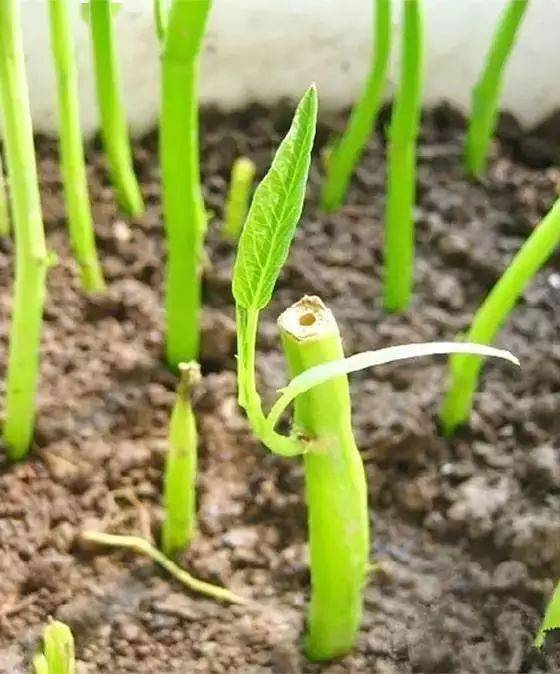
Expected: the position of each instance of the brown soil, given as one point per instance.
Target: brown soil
(467, 531)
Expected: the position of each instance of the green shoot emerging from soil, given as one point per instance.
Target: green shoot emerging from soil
(144, 547)
(322, 432)
(58, 651)
(4, 205)
(551, 620)
(184, 214)
(71, 151)
(242, 176)
(495, 309)
(401, 170)
(486, 93)
(346, 153)
(114, 129)
(31, 253)
(179, 485)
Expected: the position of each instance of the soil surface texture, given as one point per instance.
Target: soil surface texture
(466, 531)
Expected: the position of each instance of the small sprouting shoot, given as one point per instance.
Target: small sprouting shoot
(237, 203)
(322, 432)
(343, 157)
(58, 651)
(486, 93)
(493, 312)
(551, 620)
(179, 482)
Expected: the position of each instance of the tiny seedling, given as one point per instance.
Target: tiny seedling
(58, 651)
(144, 547)
(80, 220)
(464, 370)
(401, 171)
(31, 260)
(114, 129)
(179, 482)
(4, 205)
(322, 433)
(486, 93)
(183, 206)
(345, 154)
(551, 620)
(237, 203)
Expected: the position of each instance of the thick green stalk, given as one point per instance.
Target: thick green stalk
(179, 482)
(31, 252)
(59, 648)
(335, 484)
(491, 315)
(185, 218)
(237, 203)
(403, 132)
(73, 167)
(4, 207)
(346, 153)
(486, 93)
(114, 129)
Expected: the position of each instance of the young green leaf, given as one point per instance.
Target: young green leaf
(551, 620)
(40, 664)
(275, 211)
(360, 361)
(59, 648)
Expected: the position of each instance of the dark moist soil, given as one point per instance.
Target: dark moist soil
(467, 531)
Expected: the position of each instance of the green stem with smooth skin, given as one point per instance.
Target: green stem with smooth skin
(248, 397)
(346, 153)
(335, 484)
(40, 664)
(4, 206)
(31, 254)
(486, 93)
(237, 203)
(143, 547)
(179, 482)
(401, 188)
(495, 309)
(184, 215)
(114, 129)
(59, 648)
(74, 177)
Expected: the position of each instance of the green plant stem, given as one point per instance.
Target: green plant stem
(403, 132)
(179, 485)
(31, 253)
(346, 153)
(59, 648)
(486, 93)
(551, 619)
(335, 484)
(114, 129)
(143, 547)
(71, 150)
(40, 664)
(237, 203)
(248, 397)
(4, 206)
(185, 218)
(491, 315)
(160, 18)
